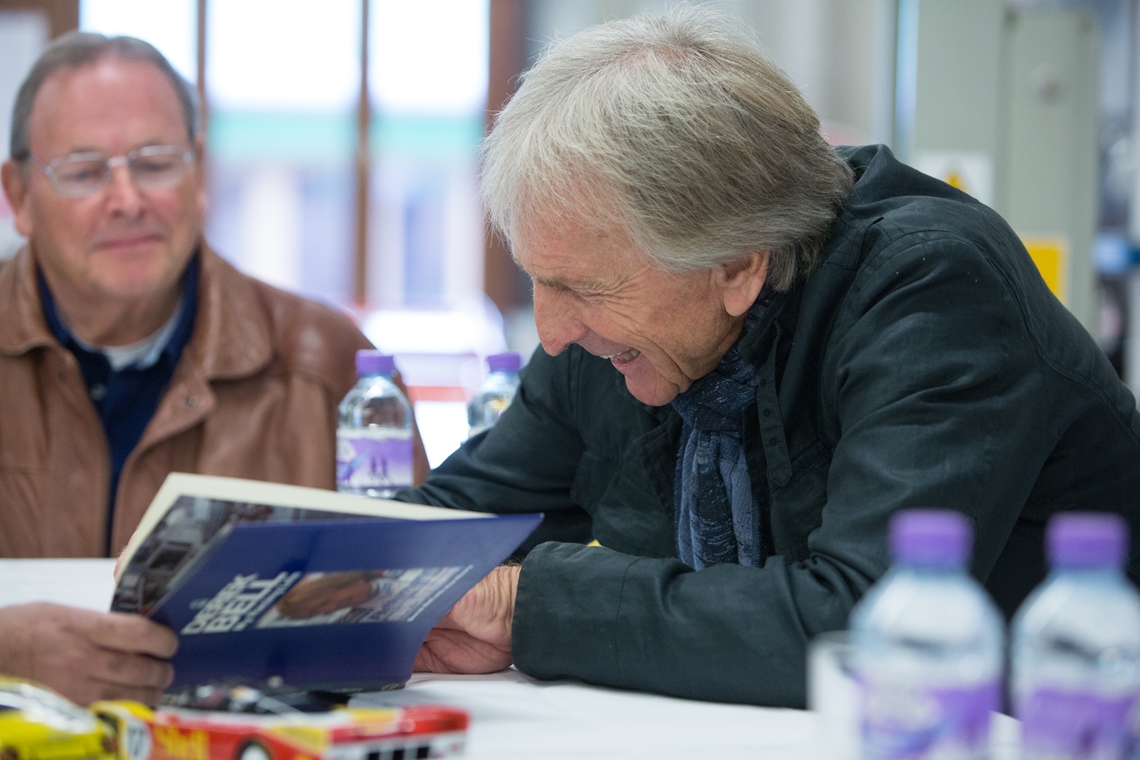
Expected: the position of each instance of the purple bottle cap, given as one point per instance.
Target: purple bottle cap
(370, 362)
(931, 538)
(505, 362)
(1086, 540)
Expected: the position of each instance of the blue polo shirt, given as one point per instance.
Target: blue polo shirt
(126, 399)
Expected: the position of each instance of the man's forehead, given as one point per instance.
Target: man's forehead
(76, 107)
(577, 256)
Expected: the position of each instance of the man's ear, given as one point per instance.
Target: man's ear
(16, 190)
(741, 281)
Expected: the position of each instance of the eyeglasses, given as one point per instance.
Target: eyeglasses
(79, 175)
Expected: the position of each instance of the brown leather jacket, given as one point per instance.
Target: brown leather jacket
(254, 396)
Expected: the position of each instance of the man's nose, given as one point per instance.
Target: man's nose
(122, 193)
(557, 320)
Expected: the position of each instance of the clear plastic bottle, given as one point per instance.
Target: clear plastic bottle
(496, 392)
(1076, 646)
(374, 433)
(928, 647)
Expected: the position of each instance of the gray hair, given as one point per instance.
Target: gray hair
(678, 129)
(77, 49)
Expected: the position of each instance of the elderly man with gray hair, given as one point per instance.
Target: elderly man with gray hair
(756, 349)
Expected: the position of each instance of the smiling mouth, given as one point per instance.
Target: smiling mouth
(129, 241)
(625, 356)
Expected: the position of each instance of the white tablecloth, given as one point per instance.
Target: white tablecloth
(514, 716)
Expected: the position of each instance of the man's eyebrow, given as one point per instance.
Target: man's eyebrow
(100, 151)
(546, 282)
(564, 286)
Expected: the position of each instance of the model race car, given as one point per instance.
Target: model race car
(37, 724)
(226, 722)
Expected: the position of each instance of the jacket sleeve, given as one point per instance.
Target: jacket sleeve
(527, 462)
(930, 378)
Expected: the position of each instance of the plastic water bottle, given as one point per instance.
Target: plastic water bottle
(374, 434)
(928, 647)
(1076, 646)
(496, 392)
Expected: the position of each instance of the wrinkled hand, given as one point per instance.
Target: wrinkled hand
(87, 655)
(475, 636)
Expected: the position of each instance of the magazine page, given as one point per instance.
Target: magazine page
(185, 530)
(189, 510)
(335, 605)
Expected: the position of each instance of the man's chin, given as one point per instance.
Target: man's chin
(657, 392)
(133, 290)
(140, 282)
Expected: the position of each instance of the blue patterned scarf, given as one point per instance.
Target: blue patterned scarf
(718, 519)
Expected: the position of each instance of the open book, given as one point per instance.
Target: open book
(318, 589)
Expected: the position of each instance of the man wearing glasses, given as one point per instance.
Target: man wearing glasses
(128, 349)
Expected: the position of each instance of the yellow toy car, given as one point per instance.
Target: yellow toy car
(38, 724)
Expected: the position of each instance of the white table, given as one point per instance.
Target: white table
(514, 716)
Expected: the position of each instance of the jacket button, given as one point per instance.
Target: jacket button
(773, 441)
(763, 383)
(767, 412)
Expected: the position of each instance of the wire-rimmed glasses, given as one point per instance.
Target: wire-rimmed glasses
(152, 167)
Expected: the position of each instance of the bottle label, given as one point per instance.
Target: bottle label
(367, 460)
(906, 721)
(1063, 724)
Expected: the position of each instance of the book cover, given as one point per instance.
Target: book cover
(313, 588)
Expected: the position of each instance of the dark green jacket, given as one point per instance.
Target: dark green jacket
(924, 363)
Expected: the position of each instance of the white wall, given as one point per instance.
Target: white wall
(23, 35)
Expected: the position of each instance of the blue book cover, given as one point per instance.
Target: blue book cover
(312, 588)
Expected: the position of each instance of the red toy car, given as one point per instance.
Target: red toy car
(235, 722)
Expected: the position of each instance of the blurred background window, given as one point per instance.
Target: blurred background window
(342, 139)
(281, 86)
(427, 75)
(169, 25)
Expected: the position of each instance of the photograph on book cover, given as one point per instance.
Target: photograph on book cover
(181, 535)
(359, 596)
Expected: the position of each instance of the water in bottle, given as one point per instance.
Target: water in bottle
(1076, 646)
(496, 392)
(374, 433)
(928, 647)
